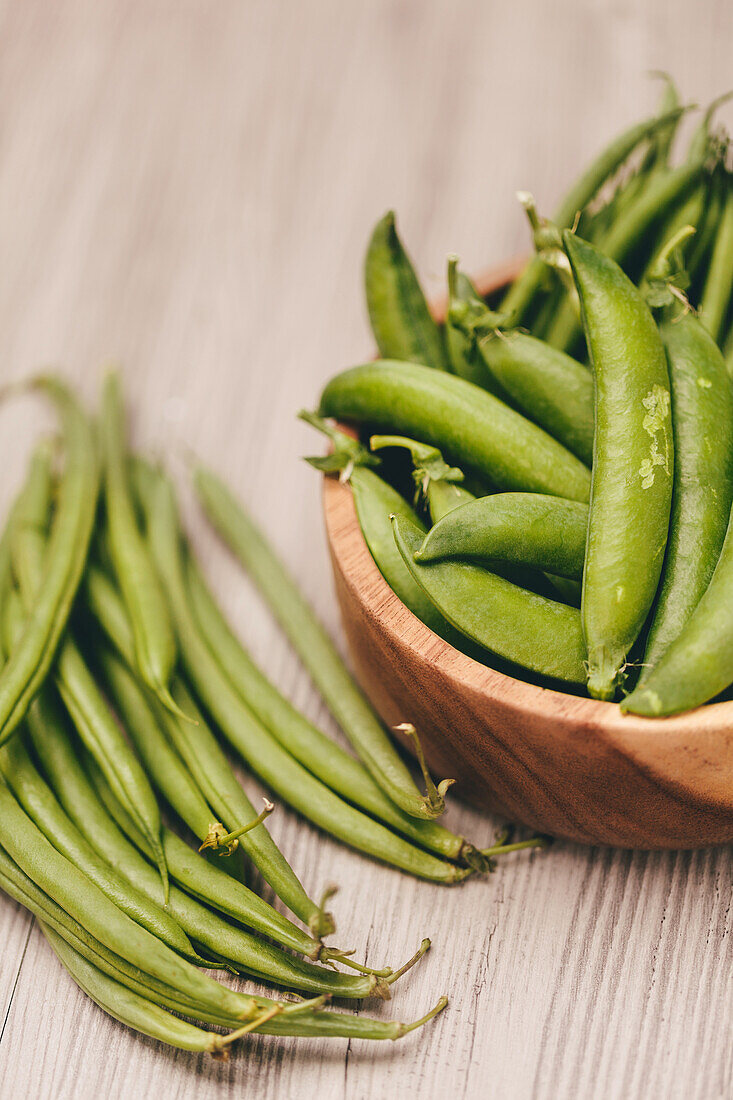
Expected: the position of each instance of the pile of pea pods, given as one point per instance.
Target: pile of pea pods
(122, 689)
(545, 478)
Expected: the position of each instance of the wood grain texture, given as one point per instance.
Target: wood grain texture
(187, 188)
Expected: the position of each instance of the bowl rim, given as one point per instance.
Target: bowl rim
(640, 738)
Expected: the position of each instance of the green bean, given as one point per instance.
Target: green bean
(716, 296)
(700, 140)
(155, 643)
(520, 626)
(130, 1008)
(295, 1018)
(211, 773)
(632, 465)
(470, 426)
(401, 320)
(39, 803)
(435, 480)
(691, 212)
(657, 155)
(244, 951)
(82, 698)
(315, 751)
(523, 289)
(260, 750)
(192, 871)
(551, 388)
(318, 653)
(100, 732)
(71, 530)
(85, 902)
(302, 1018)
(543, 532)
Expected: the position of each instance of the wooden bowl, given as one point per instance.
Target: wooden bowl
(572, 767)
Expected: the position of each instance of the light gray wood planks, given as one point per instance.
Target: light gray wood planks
(188, 189)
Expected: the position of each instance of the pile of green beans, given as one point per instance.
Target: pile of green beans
(571, 440)
(121, 685)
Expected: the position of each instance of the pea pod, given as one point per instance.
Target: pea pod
(435, 480)
(401, 320)
(471, 427)
(543, 532)
(521, 293)
(463, 299)
(261, 751)
(548, 386)
(633, 463)
(520, 626)
(716, 298)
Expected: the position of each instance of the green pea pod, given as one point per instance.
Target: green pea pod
(435, 480)
(633, 463)
(716, 298)
(531, 529)
(520, 294)
(401, 320)
(522, 627)
(702, 419)
(155, 641)
(548, 386)
(471, 427)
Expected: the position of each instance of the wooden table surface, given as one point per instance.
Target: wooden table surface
(187, 189)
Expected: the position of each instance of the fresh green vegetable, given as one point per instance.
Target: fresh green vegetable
(633, 463)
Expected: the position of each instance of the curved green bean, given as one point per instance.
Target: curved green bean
(633, 463)
(543, 532)
(155, 642)
(318, 653)
(192, 871)
(520, 626)
(400, 317)
(138, 1013)
(261, 751)
(33, 654)
(470, 426)
(39, 803)
(85, 902)
(315, 751)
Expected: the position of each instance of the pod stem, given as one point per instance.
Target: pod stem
(405, 1029)
(517, 846)
(434, 796)
(217, 838)
(397, 974)
(331, 955)
(322, 923)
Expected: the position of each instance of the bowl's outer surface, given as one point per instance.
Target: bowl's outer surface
(569, 766)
